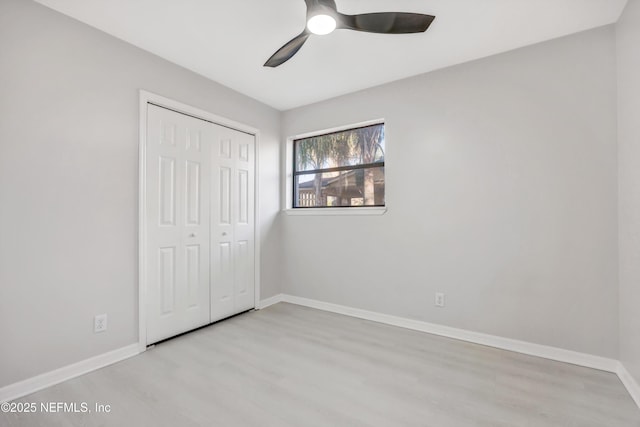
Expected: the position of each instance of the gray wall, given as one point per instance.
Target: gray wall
(501, 186)
(628, 32)
(501, 189)
(69, 179)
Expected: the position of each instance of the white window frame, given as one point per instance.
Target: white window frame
(287, 189)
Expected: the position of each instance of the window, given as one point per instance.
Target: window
(339, 169)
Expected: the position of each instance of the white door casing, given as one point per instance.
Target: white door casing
(232, 223)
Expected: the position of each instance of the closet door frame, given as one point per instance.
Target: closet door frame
(147, 98)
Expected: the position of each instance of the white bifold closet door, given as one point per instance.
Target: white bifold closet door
(232, 220)
(199, 233)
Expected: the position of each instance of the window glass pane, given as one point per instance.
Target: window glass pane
(354, 187)
(346, 148)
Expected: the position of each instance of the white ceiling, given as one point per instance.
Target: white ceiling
(228, 41)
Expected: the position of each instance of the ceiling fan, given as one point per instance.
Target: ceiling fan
(323, 17)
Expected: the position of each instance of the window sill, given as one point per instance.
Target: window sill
(378, 210)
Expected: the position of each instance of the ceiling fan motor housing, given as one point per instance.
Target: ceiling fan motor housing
(321, 7)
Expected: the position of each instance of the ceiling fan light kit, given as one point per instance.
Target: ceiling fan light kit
(321, 24)
(323, 17)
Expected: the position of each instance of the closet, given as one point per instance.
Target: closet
(198, 222)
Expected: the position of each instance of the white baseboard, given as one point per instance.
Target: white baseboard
(629, 382)
(31, 385)
(39, 382)
(270, 301)
(539, 350)
(531, 349)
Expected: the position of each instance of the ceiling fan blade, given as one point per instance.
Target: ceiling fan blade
(287, 51)
(386, 22)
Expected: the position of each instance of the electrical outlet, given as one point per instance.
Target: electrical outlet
(100, 323)
(439, 299)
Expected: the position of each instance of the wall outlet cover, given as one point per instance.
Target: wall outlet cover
(100, 323)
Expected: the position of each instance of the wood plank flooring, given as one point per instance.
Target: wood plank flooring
(288, 365)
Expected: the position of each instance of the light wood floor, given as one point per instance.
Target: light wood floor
(294, 366)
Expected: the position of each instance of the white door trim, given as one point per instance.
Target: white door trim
(159, 100)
